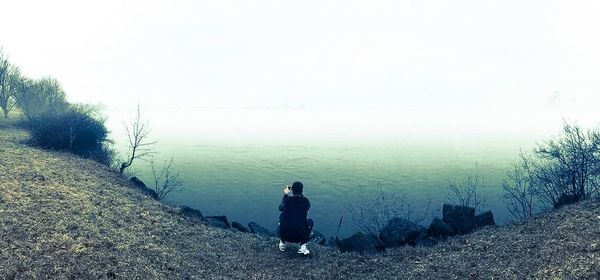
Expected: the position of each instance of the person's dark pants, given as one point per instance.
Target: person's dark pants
(311, 225)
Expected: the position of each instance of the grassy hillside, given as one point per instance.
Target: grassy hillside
(69, 218)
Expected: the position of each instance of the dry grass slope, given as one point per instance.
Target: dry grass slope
(68, 218)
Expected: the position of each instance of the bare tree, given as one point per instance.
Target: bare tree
(53, 95)
(140, 147)
(518, 191)
(23, 92)
(14, 75)
(373, 211)
(39, 97)
(470, 192)
(165, 179)
(7, 102)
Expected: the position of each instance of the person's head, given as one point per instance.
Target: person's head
(297, 188)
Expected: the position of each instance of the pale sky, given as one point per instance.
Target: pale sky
(323, 55)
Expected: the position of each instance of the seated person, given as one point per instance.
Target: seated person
(293, 225)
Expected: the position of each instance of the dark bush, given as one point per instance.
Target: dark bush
(77, 130)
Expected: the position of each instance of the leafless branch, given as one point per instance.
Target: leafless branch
(567, 167)
(140, 147)
(518, 192)
(372, 211)
(7, 70)
(165, 179)
(470, 192)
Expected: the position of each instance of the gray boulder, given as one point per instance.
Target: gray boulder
(439, 228)
(259, 230)
(239, 227)
(361, 243)
(460, 218)
(217, 221)
(484, 219)
(399, 232)
(142, 187)
(190, 212)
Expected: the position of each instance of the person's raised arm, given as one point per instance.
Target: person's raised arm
(286, 191)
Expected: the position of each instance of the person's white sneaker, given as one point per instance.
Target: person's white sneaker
(303, 250)
(281, 246)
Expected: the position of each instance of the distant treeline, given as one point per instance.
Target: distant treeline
(54, 123)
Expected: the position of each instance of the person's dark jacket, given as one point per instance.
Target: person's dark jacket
(293, 225)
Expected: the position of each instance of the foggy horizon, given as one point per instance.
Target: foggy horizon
(389, 56)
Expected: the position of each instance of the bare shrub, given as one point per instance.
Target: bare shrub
(567, 167)
(518, 189)
(165, 179)
(469, 193)
(562, 170)
(373, 211)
